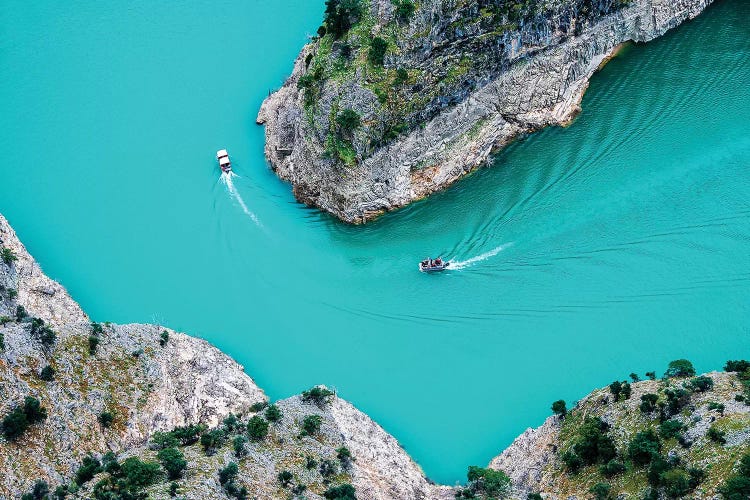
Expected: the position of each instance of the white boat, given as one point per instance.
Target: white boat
(224, 164)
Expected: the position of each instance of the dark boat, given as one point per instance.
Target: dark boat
(433, 265)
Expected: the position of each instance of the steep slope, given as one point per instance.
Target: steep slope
(402, 103)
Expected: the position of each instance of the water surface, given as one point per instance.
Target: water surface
(611, 246)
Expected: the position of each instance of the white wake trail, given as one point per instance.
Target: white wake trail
(463, 264)
(227, 180)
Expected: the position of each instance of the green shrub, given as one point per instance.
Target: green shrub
(716, 435)
(93, 344)
(327, 468)
(348, 121)
(670, 429)
(680, 368)
(21, 313)
(173, 462)
(96, 329)
(60, 492)
(643, 447)
(164, 338)
(285, 478)
(651, 375)
(341, 492)
(173, 489)
(161, 440)
(571, 460)
(238, 444)
(256, 407)
(404, 9)
(8, 256)
(534, 496)
(702, 383)
(311, 424)
(106, 418)
(47, 374)
(634, 377)
(376, 54)
(273, 413)
(15, 423)
(612, 468)
(340, 16)
(90, 466)
(212, 440)
(228, 473)
(310, 462)
(486, 483)
(716, 406)
(344, 456)
(138, 474)
(601, 491)
(736, 488)
(559, 408)
(740, 365)
(402, 76)
(4, 320)
(188, 434)
(231, 423)
(257, 428)
(318, 395)
(592, 443)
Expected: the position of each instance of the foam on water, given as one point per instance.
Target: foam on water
(226, 178)
(456, 265)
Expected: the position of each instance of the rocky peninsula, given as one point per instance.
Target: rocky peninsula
(394, 99)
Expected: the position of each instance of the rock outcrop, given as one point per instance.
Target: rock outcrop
(149, 384)
(459, 80)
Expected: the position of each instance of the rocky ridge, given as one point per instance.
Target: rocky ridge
(473, 77)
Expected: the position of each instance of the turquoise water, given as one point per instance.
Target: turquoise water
(611, 246)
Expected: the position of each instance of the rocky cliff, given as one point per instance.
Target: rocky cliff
(407, 97)
(150, 379)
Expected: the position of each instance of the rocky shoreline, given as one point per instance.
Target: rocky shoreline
(537, 79)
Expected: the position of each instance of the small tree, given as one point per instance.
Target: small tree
(2, 341)
(716, 435)
(212, 440)
(627, 390)
(559, 408)
(318, 395)
(634, 377)
(238, 444)
(702, 383)
(285, 478)
(163, 338)
(344, 456)
(21, 313)
(93, 344)
(612, 468)
(327, 468)
(737, 366)
(173, 462)
(487, 483)
(228, 473)
(47, 374)
(601, 491)
(648, 402)
(404, 9)
(273, 413)
(106, 418)
(348, 120)
(257, 428)
(8, 256)
(615, 388)
(643, 447)
(376, 54)
(651, 375)
(680, 368)
(341, 492)
(90, 466)
(311, 424)
(670, 429)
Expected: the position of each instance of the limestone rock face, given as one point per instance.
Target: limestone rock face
(473, 86)
(151, 387)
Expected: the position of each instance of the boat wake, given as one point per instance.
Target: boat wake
(456, 265)
(226, 178)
